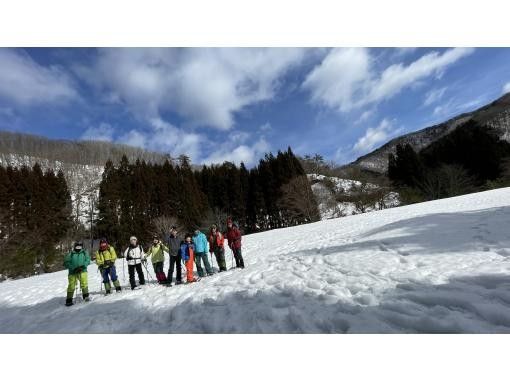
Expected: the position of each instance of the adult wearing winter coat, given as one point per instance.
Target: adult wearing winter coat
(157, 253)
(233, 236)
(77, 261)
(187, 250)
(105, 260)
(134, 256)
(174, 250)
(201, 250)
(216, 242)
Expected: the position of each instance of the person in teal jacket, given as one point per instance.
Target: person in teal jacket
(77, 261)
(201, 248)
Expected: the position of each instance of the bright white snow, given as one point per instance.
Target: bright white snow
(441, 266)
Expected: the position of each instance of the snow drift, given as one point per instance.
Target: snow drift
(439, 266)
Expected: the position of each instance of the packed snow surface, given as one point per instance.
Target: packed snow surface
(441, 266)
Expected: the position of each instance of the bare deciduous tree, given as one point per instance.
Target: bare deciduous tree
(298, 200)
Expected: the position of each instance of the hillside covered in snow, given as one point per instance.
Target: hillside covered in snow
(435, 267)
(337, 197)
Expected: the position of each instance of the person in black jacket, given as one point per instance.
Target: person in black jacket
(134, 256)
(174, 244)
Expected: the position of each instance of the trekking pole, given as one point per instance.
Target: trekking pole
(232, 257)
(76, 289)
(124, 270)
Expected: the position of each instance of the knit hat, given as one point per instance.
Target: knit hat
(188, 235)
(78, 246)
(132, 238)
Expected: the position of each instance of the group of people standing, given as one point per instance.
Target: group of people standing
(193, 249)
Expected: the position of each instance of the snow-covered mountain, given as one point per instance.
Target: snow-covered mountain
(441, 266)
(495, 116)
(82, 163)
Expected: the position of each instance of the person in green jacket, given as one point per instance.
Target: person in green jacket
(105, 260)
(77, 261)
(157, 251)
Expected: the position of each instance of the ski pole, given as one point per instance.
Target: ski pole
(232, 256)
(77, 280)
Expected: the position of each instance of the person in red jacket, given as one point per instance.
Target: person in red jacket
(216, 246)
(233, 236)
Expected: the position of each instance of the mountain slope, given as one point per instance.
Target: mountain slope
(495, 115)
(82, 162)
(439, 266)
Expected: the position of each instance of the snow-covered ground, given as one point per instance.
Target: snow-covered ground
(441, 266)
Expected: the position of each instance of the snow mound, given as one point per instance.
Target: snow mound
(441, 266)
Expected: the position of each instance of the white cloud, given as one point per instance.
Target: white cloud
(339, 77)
(347, 78)
(375, 136)
(165, 137)
(434, 96)
(365, 116)
(249, 154)
(23, 81)
(104, 132)
(506, 88)
(204, 86)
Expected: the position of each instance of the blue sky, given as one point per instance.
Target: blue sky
(237, 104)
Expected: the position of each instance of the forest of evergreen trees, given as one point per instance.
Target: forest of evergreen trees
(35, 215)
(471, 158)
(137, 198)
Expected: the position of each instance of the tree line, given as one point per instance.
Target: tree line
(139, 198)
(35, 215)
(471, 158)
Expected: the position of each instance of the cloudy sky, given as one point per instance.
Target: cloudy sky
(237, 104)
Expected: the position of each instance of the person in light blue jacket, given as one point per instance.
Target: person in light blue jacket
(201, 248)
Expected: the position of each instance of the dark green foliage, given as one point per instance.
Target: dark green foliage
(35, 214)
(135, 198)
(458, 163)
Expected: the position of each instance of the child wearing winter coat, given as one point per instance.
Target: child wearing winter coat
(77, 261)
(187, 253)
(200, 243)
(105, 260)
(134, 256)
(216, 242)
(157, 253)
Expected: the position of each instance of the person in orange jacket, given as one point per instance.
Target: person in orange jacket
(216, 242)
(188, 256)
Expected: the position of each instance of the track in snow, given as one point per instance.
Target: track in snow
(441, 266)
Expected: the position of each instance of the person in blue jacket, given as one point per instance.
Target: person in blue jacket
(201, 249)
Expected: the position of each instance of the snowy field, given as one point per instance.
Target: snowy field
(435, 267)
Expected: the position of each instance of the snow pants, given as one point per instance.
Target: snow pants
(238, 257)
(175, 261)
(139, 272)
(106, 274)
(73, 279)
(199, 257)
(219, 253)
(160, 273)
(189, 268)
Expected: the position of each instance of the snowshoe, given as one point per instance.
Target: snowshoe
(136, 288)
(69, 302)
(108, 292)
(210, 274)
(86, 298)
(118, 289)
(178, 282)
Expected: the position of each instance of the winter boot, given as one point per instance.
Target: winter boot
(107, 287)
(178, 282)
(69, 299)
(85, 292)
